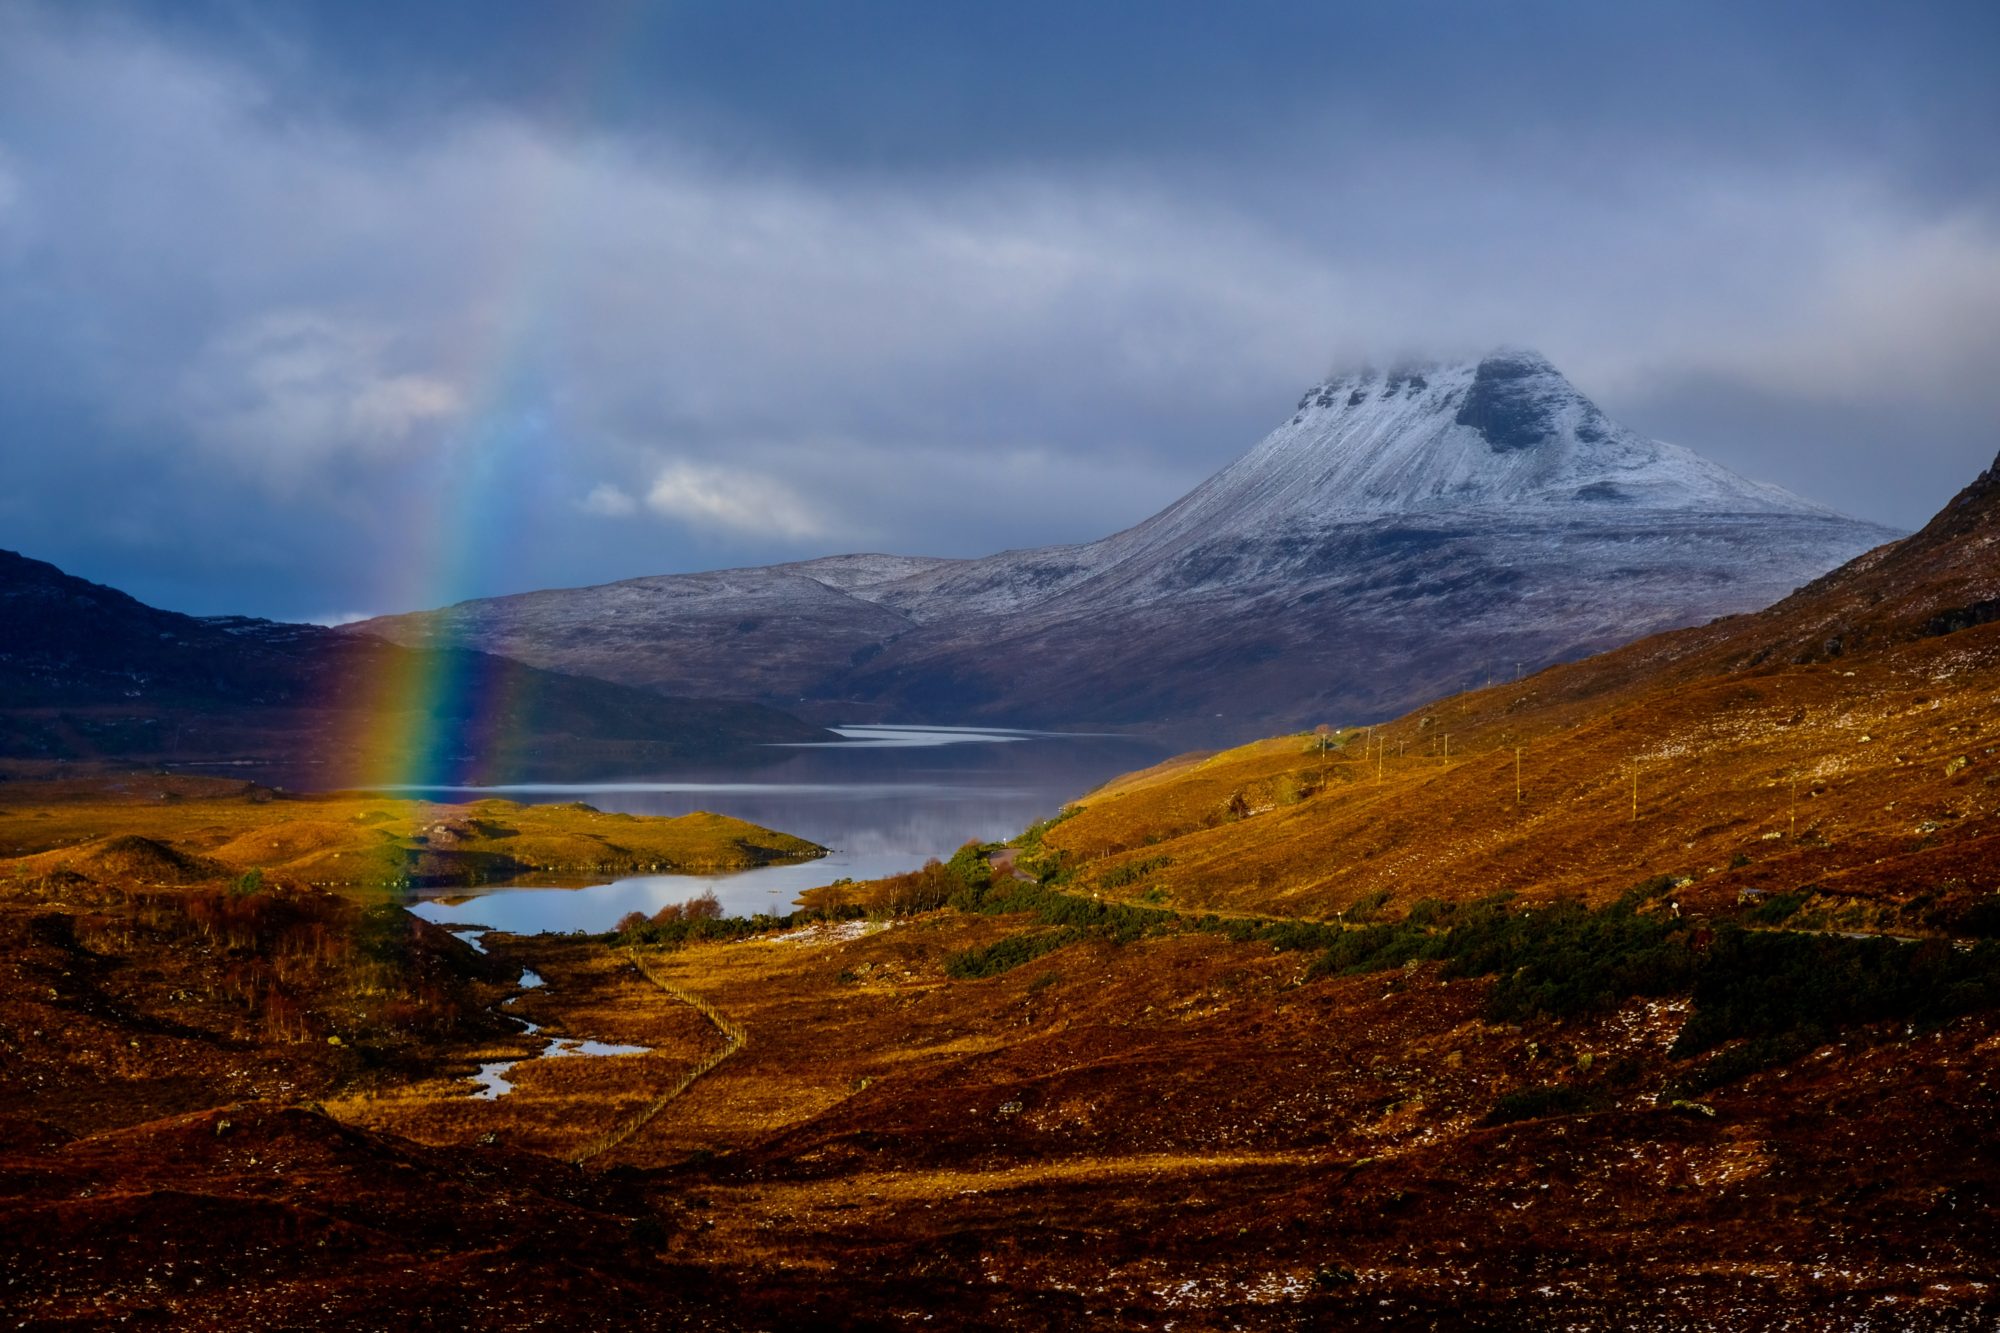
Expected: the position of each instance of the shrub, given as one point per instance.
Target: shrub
(922, 890)
(704, 907)
(1566, 959)
(1132, 872)
(672, 925)
(1736, 1062)
(1538, 1103)
(1427, 911)
(1006, 954)
(970, 865)
(1779, 907)
(1367, 905)
(1981, 920)
(1784, 985)
(1554, 962)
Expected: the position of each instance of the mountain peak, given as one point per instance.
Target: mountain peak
(1505, 430)
(1518, 400)
(1513, 398)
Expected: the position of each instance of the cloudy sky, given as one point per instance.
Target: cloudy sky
(313, 310)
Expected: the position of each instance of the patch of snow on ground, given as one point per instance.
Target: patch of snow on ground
(830, 932)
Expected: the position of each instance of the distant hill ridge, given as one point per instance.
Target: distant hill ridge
(1403, 534)
(90, 673)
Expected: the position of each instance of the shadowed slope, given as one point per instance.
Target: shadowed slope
(87, 672)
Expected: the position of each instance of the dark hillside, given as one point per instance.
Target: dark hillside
(88, 673)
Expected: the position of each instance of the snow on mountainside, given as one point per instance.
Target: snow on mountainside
(1506, 436)
(727, 634)
(1506, 431)
(862, 575)
(1401, 532)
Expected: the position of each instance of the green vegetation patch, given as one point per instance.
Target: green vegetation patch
(1735, 1062)
(1553, 962)
(1542, 1101)
(1786, 987)
(1982, 919)
(1132, 872)
(1007, 954)
(700, 920)
(1778, 908)
(1117, 921)
(971, 865)
(1042, 862)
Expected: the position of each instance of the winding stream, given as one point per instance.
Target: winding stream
(491, 1081)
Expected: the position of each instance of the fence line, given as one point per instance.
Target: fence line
(732, 1032)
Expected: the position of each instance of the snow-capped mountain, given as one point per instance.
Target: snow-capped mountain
(1505, 431)
(1405, 532)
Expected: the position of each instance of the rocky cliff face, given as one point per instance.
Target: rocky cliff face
(1403, 534)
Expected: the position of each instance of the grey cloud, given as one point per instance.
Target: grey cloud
(282, 392)
(340, 334)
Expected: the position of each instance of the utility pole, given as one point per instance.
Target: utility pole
(1517, 775)
(1635, 791)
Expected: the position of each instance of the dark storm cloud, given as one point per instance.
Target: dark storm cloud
(326, 309)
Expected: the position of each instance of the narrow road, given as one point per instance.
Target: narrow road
(1002, 862)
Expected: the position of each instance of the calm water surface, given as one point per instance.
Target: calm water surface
(884, 800)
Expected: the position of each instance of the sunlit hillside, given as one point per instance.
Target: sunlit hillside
(1839, 744)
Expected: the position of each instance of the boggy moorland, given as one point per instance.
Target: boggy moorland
(1349, 1029)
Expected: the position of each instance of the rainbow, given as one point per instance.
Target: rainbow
(441, 715)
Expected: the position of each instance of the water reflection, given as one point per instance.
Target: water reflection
(882, 802)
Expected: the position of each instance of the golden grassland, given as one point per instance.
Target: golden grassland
(558, 1104)
(177, 829)
(1188, 1129)
(1185, 1129)
(1873, 782)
